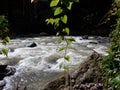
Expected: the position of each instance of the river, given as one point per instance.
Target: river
(35, 66)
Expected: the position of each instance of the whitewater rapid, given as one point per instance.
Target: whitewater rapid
(35, 66)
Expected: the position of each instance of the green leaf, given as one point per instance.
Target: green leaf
(56, 21)
(66, 30)
(54, 3)
(61, 49)
(67, 58)
(64, 19)
(5, 51)
(70, 5)
(6, 40)
(50, 21)
(57, 11)
(72, 39)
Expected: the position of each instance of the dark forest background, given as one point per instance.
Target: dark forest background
(91, 17)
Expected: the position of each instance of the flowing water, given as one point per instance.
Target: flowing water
(35, 66)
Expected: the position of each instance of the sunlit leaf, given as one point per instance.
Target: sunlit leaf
(50, 21)
(64, 19)
(56, 21)
(61, 49)
(58, 11)
(66, 30)
(5, 51)
(70, 5)
(67, 58)
(6, 40)
(54, 3)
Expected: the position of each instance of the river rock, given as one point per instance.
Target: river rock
(2, 83)
(32, 45)
(93, 42)
(10, 71)
(2, 71)
(2, 68)
(6, 71)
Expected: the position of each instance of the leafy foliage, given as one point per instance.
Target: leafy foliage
(59, 21)
(54, 3)
(111, 63)
(4, 33)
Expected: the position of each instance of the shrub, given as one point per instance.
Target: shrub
(4, 32)
(111, 63)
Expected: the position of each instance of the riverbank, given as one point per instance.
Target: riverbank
(89, 76)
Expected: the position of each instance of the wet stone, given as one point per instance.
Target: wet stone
(2, 83)
(93, 42)
(6, 71)
(2, 68)
(32, 45)
(10, 71)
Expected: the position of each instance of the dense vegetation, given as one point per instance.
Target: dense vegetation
(111, 63)
(4, 33)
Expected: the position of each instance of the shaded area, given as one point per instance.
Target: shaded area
(88, 14)
(26, 17)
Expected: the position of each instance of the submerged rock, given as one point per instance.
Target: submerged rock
(32, 45)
